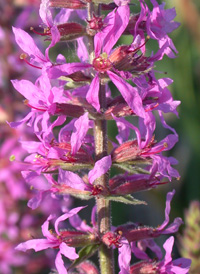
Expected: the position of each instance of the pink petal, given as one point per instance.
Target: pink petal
(71, 179)
(66, 69)
(45, 13)
(124, 258)
(130, 94)
(66, 216)
(100, 168)
(167, 209)
(37, 245)
(45, 229)
(81, 127)
(29, 91)
(121, 21)
(27, 44)
(168, 245)
(93, 93)
(69, 252)
(60, 264)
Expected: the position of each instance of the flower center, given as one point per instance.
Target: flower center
(102, 63)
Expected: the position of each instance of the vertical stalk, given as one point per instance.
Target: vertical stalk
(103, 205)
(100, 136)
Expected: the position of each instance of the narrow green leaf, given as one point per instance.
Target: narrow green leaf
(84, 254)
(127, 199)
(131, 169)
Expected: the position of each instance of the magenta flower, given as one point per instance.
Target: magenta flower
(41, 98)
(134, 233)
(166, 266)
(181, 265)
(27, 44)
(144, 147)
(116, 22)
(158, 23)
(53, 241)
(67, 183)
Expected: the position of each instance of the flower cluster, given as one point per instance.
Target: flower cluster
(71, 104)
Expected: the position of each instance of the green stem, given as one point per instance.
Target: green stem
(100, 135)
(103, 205)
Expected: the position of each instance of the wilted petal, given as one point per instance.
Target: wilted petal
(173, 227)
(167, 210)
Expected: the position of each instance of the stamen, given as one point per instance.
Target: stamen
(26, 102)
(23, 56)
(152, 108)
(137, 49)
(96, 190)
(165, 145)
(46, 31)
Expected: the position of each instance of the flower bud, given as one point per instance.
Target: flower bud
(119, 108)
(102, 1)
(69, 110)
(70, 31)
(77, 238)
(72, 4)
(128, 151)
(126, 58)
(85, 267)
(110, 6)
(147, 267)
(122, 185)
(133, 232)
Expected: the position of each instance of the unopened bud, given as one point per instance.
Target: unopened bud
(77, 238)
(128, 151)
(102, 1)
(70, 31)
(72, 4)
(86, 267)
(147, 267)
(69, 110)
(122, 185)
(110, 6)
(136, 233)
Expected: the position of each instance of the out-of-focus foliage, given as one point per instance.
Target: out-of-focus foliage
(190, 240)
